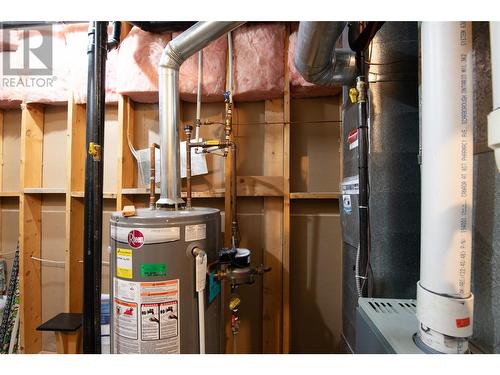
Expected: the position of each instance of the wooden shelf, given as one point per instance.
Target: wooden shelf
(81, 194)
(248, 186)
(319, 195)
(44, 190)
(196, 194)
(9, 194)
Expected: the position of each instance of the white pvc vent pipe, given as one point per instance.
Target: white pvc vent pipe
(444, 299)
(494, 116)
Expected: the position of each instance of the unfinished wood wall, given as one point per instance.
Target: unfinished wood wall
(55, 200)
(315, 238)
(288, 171)
(10, 130)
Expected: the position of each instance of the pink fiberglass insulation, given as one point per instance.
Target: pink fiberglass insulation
(9, 40)
(138, 58)
(213, 83)
(299, 87)
(258, 61)
(76, 49)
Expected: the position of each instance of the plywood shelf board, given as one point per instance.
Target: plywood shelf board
(44, 191)
(9, 194)
(81, 194)
(315, 195)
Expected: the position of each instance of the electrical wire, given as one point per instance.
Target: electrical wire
(104, 263)
(277, 123)
(360, 286)
(42, 260)
(130, 145)
(8, 253)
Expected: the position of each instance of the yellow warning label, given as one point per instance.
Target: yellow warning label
(124, 263)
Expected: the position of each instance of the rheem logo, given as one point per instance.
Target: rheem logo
(135, 239)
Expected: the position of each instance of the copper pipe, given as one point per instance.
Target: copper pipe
(152, 175)
(228, 121)
(224, 144)
(234, 226)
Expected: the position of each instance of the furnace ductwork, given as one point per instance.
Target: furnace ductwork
(316, 58)
(176, 52)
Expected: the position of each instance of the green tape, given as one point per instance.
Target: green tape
(213, 287)
(152, 270)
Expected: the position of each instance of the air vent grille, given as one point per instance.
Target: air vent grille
(381, 306)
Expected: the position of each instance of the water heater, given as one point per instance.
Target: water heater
(153, 281)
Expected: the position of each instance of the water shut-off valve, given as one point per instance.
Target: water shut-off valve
(235, 267)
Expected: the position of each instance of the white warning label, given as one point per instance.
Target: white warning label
(126, 290)
(169, 320)
(195, 232)
(126, 319)
(150, 321)
(156, 330)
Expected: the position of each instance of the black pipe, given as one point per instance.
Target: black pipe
(115, 36)
(32, 24)
(359, 40)
(363, 174)
(162, 26)
(92, 245)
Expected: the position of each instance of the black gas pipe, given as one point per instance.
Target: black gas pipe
(92, 260)
(359, 40)
(115, 35)
(363, 141)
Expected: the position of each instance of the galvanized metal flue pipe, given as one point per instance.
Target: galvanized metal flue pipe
(152, 174)
(176, 52)
(316, 57)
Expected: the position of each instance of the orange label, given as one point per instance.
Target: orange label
(464, 322)
(128, 304)
(159, 283)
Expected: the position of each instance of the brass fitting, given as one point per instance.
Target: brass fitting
(361, 89)
(95, 151)
(353, 94)
(234, 303)
(212, 142)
